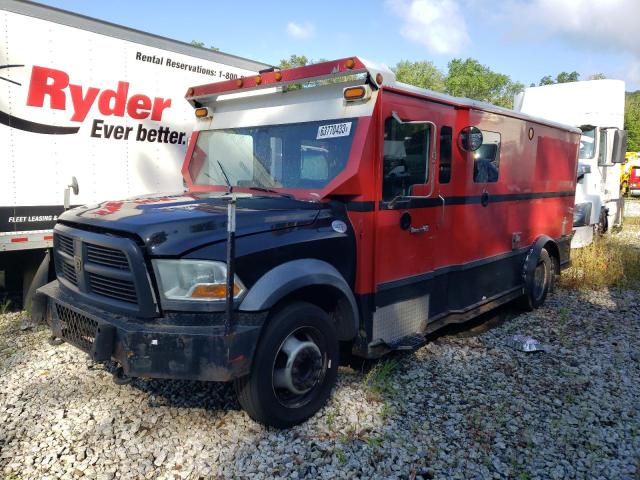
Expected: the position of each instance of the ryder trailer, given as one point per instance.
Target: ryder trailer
(88, 99)
(329, 208)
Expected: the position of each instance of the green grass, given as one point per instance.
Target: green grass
(5, 306)
(379, 379)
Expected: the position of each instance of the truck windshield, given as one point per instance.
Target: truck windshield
(296, 155)
(588, 143)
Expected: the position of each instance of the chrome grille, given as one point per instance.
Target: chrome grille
(76, 328)
(117, 289)
(108, 257)
(65, 244)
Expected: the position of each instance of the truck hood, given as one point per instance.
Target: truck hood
(170, 225)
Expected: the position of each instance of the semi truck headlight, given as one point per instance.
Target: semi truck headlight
(581, 214)
(194, 280)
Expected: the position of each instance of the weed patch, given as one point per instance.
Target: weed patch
(378, 380)
(607, 262)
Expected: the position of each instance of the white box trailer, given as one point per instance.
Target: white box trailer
(84, 98)
(597, 108)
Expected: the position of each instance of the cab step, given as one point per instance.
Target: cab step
(410, 342)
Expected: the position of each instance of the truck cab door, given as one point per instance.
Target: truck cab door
(409, 206)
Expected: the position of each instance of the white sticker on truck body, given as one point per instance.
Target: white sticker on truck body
(334, 130)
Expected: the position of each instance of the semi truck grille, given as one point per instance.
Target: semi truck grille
(117, 289)
(77, 329)
(69, 272)
(65, 244)
(109, 257)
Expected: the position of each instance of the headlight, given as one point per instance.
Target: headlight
(193, 281)
(581, 214)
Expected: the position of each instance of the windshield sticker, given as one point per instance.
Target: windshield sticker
(334, 130)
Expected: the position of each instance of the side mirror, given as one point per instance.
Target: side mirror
(619, 146)
(74, 186)
(583, 169)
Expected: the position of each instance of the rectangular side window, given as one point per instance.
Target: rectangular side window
(406, 156)
(486, 159)
(446, 139)
(602, 148)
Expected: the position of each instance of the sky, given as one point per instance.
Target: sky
(525, 39)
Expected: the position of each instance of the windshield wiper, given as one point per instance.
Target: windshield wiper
(270, 190)
(226, 179)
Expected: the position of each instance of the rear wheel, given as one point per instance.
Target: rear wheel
(294, 368)
(539, 282)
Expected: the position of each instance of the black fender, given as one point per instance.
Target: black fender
(531, 260)
(36, 303)
(288, 277)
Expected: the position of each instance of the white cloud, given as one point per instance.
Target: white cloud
(300, 31)
(597, 25)
(437, 24)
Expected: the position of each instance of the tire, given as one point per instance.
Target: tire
(603, 222)
(294, 368)
(539, 282)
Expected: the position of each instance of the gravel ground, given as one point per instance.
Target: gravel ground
(632, 207)
(463, 406)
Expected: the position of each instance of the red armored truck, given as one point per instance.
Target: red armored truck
(367, 214)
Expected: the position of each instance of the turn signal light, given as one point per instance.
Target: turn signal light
(258, 80)
(355, 93)
(213, 290)
(350, 63)
(277, 76)
(239, 83)
(202, 112)
(190, 92)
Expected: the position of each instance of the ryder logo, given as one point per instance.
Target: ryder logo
(54, 87)
(27, 125)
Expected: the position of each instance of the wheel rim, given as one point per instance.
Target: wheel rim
(539, 280)
(299, 367)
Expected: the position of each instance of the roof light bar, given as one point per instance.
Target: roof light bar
(318, 71)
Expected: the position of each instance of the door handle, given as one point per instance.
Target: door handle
(422, 229)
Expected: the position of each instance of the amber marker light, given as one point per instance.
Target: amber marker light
(379, 78)
(213, 291)
(239, 83)
(258, 80)
(350, 63)
(277, 76)
(202, 112)
(190, 92)
(355, 93)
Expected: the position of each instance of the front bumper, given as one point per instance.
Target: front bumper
(188, 346)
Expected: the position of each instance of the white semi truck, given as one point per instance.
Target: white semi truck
(597, 108)
(92, 100)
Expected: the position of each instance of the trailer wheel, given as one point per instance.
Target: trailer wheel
(539, 282)
(294, 368)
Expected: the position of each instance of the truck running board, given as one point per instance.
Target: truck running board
(410, 342)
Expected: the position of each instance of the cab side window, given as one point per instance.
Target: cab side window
(486, 159)
(446, 139)
(602, 148)
(406, 156)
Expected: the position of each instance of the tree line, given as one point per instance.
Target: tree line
(469, 78)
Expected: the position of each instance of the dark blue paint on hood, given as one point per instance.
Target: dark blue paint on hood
(170, 225)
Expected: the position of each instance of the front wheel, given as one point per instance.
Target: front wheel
(294, 368)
